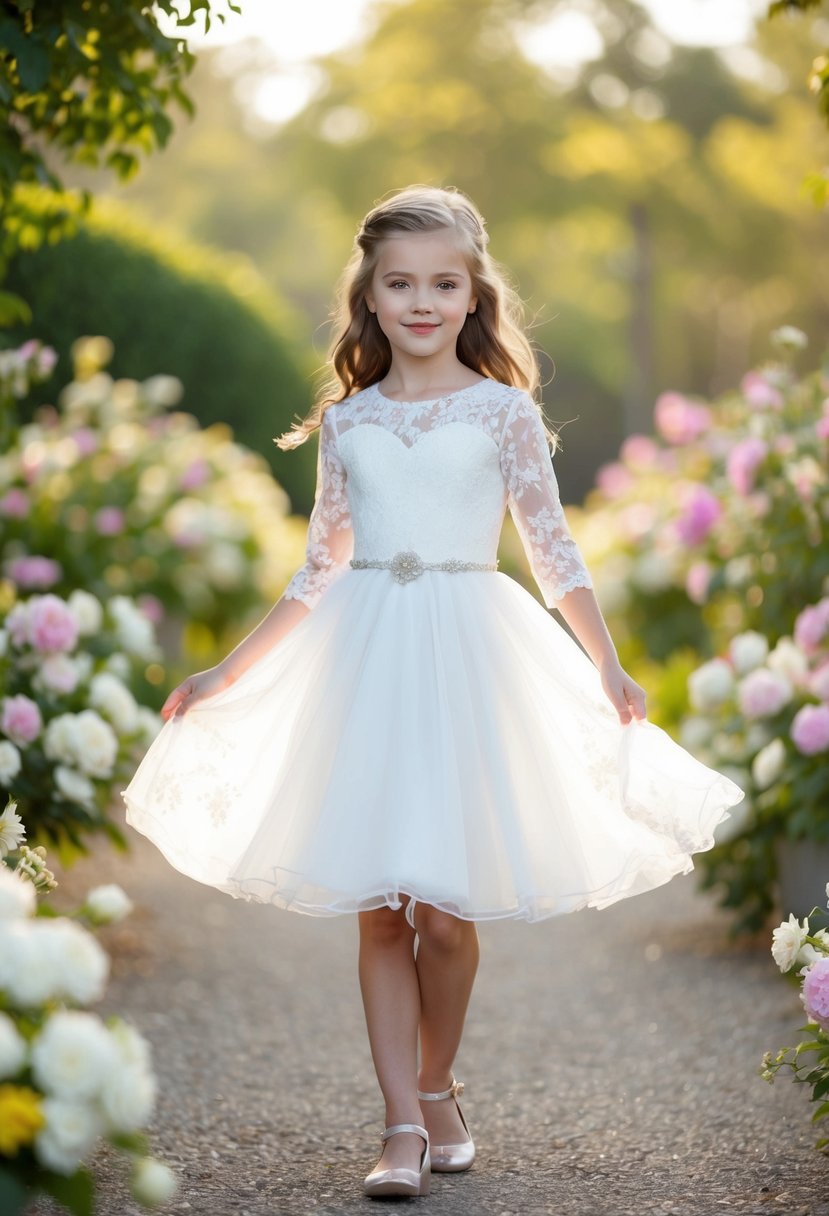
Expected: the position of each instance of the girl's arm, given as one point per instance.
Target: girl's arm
(330, 544)
(555, 559)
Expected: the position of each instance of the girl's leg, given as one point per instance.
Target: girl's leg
(391, 998)
(447, 962)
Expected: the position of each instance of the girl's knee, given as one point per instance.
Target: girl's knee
(384, 927)
(442, 931)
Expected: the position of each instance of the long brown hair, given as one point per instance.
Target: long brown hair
(492, 342)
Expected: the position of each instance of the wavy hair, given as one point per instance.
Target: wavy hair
(492, 342)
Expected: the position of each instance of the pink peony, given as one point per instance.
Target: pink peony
(815, 993)
(743, 461)
(763, 693)
(86, 440)
(33, 572)
(759, 393)
(822, 427)
(109, 521)
(810, 729)
(613, 479)
(679, 420)
(20, 719)
(152, 607)
(818, 682)
(698, 580)
(640, 451)
(195, 475)
(51, 626)
(15, 503)
(701, 511)
(811, 626)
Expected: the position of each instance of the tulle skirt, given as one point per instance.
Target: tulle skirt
(443, 739)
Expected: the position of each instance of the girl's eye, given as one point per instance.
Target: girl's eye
(403, 283)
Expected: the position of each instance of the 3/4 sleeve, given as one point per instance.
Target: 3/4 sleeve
(330, 536)
(534, 504)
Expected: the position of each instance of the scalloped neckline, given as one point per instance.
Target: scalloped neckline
(432, 400)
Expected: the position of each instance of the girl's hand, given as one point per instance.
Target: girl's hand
(195, 688)
(627, 697)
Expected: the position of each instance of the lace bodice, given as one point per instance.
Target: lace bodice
(436, 477)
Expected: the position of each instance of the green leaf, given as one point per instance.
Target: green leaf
(14, 1196)
(77, 1193)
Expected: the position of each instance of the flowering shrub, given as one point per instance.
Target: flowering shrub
(796, 942)
(67, 1077)
(113, 493)
(70, 727)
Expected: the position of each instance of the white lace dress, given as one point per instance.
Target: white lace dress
(425, 731)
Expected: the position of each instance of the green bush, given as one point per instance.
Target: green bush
(175, 307)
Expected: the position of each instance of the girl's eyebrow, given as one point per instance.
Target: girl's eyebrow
(407, 274)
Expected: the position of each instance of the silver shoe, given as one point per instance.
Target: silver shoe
(402, 1181)
(451, 1158)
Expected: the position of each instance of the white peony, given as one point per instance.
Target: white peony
(748, 650)
(83, 665)
(787, 940)
(133, 629)
(119, 665)
(809, 954)
(768, 764)
(152, 1182)
(74, 786)
(109, 902)
(14, 1050)
(127, 1097)
(69, 1135)
(80, 963)
(73, 1055)
(711, 684)
(87, 611)
(12, 831)
(109, 695)
(60, 739)
(17, 899)
(9, 762)
(96, 744)
(787, 659)
(26, 976)
(130, 1045)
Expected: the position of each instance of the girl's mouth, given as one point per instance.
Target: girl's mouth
(421, 329)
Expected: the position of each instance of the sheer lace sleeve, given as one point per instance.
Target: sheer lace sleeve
(330, 537)
(555, 558)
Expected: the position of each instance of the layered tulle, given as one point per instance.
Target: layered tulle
(444, 739)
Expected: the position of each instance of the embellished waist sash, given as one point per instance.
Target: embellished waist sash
(407, 565)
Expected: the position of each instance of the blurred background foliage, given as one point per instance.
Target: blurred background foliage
(651, 205)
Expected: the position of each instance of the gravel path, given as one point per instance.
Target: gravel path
(610, 1060)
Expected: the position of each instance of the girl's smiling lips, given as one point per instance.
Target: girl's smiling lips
(423, 327)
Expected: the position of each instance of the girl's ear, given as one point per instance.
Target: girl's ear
(369, 301)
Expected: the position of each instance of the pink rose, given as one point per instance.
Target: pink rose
(811, 626)
(640, 451)
(810, 729)
(613, 479)
(701, 511)
(679, 420)
(34, 572)
(109, 521)
(743, 461)
(818, 682)
(195, 475)
(815, 993)
(152, 607)
(20, 719)
(15, 503)
(86, 440)
(759, 393)
(52, 627)
(763, 693)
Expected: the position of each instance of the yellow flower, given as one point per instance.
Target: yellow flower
(20, 1117)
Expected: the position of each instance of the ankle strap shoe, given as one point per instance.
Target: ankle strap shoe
(402, 1181)
(450, 1158)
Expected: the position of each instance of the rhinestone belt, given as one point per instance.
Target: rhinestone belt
(408, 565)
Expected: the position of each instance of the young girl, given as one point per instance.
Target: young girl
(408, 734)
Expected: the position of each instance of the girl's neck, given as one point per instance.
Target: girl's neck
(413, 383)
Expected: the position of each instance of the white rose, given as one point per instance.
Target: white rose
(9, 762)
(69, 1135)
(87, 611)
(14, 1050)
(130, 1045)
(114, 699)
(787, 940)
(72, 1055)
(133, 629)
(738, 570)
(17, 897)
(711, 684)
(748, 650)
(83, 665)
(96, 744)
(809, 954)
(58, 673)
(109, 902)
(26, 976)
(81, 965)
(152, 1182)
(162, 390)
(127, 1097)
(119, 665)
(60, 739)
(74, 786)
(787, 659)
(768, 764)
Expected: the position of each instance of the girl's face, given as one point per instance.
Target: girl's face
(421, 292)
